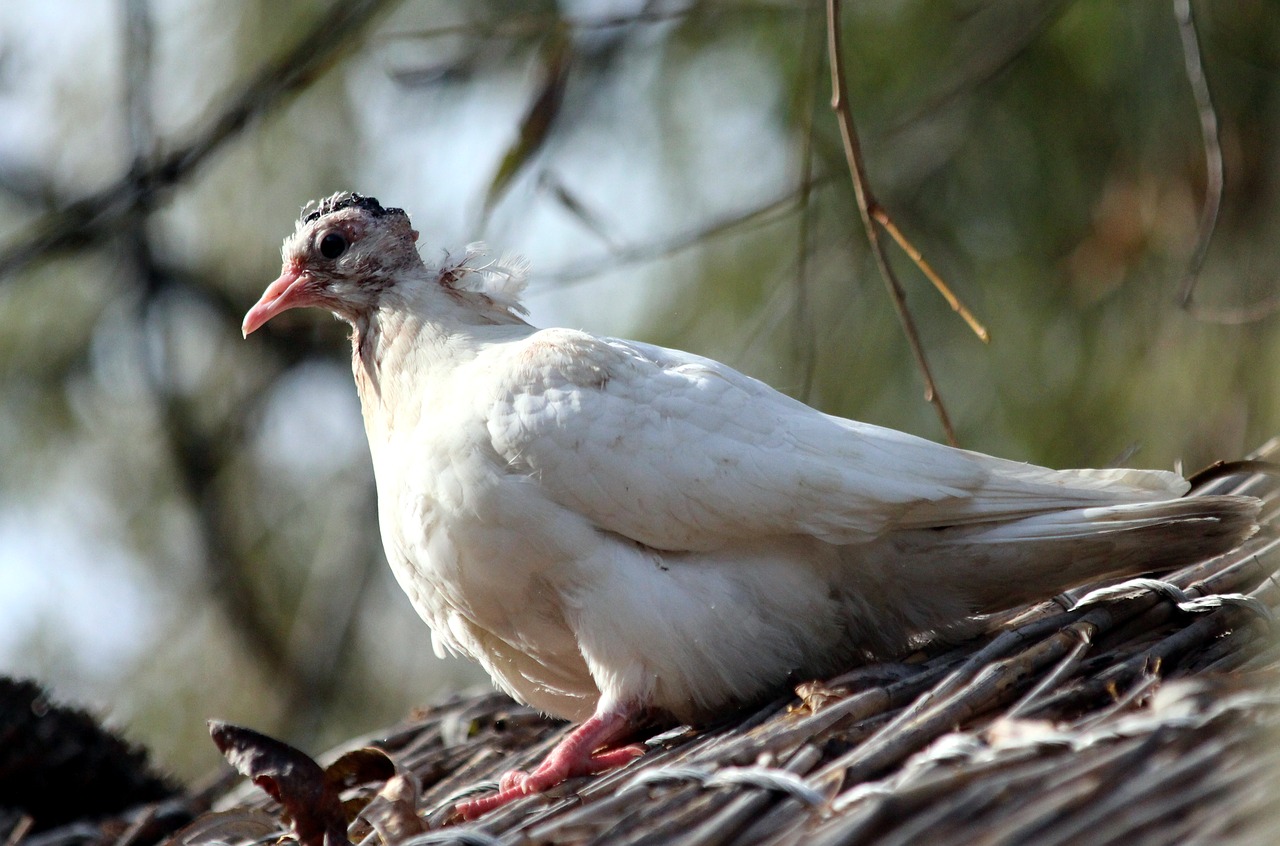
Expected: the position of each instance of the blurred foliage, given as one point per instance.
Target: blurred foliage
(187, 527)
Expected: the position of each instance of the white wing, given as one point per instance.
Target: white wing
(680, 452)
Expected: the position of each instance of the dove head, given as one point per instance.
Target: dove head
(347, 249)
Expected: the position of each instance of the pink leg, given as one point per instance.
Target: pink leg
(576, 755)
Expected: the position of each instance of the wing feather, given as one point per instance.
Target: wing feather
(680, 452)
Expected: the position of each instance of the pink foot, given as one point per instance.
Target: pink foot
(576, 755)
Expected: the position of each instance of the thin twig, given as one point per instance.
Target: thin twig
(536, 23)
(18, 828)
(866, 205)
(1065, 668)
(139, 35)
(1213, 183)
(1226, 469)
(804, 339)
(915, 255)
(992, 41)
(1213, 177)
(762, 215)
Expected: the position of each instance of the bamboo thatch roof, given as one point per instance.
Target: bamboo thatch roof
(1143, 714)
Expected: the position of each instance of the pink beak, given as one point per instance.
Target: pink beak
(281, 295)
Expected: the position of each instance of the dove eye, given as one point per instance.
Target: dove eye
(332, 245)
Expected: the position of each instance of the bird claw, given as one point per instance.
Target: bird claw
(473, 808)
(572, 757)
(511, 786)
(514, 784)
(602, 761)
(513, 780)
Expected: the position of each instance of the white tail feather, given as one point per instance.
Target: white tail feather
(942, 576)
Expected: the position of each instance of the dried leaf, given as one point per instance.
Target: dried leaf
(359, 766)
(577, 208)
(535, 126)
(393, 812)
(354, 769)
(290, 777)
(816, 695)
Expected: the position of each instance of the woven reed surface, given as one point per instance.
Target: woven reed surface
(1148, 717)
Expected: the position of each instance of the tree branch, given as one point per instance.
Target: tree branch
(93, 217)
(1213, 185)
(868, 206)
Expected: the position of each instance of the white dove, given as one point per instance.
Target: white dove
(616, 530)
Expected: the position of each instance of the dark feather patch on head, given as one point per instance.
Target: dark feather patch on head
(340, 201)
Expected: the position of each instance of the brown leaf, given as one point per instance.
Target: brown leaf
(290, 777)
(535, 126)
(576, 207)
(359, 766)
(816, 695)
(393, 813)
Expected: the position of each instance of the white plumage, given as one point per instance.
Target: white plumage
(613, 529)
